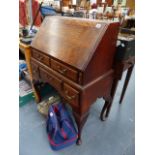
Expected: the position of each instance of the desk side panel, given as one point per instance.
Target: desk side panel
(103, 58)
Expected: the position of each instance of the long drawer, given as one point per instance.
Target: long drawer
(64, 70)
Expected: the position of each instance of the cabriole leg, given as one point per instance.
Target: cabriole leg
(80, 121)
(108, 103)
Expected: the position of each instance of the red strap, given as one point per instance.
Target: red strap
(63, 133)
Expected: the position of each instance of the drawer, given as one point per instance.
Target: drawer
(54, 81)
(35, 70)
(70, 94)
(41, 57)
(64, 70)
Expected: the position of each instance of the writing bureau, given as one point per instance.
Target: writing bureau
(75, 56)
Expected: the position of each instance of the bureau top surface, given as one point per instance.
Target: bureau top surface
(71, 40)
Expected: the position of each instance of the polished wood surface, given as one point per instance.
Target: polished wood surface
(70, 40)
(76, 57)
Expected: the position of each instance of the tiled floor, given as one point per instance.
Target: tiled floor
(112, 137)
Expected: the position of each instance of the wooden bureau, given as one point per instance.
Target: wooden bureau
(75, 56)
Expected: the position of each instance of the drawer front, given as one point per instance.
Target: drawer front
(64, 70)
(41, 57)
(35, 70)
(54, 81)
(71, 95)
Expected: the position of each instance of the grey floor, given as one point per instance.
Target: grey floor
(115, 136)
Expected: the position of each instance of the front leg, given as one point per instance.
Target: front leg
(108, 103)
(80, 121)
(103, 115)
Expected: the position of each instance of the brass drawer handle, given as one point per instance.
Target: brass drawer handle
(69, 97)
(62, 71)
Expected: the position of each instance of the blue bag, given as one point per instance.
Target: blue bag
(48, 10)
(22, 67)
(60, 127)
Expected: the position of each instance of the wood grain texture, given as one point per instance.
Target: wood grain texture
(104, 54)
(70, 40)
